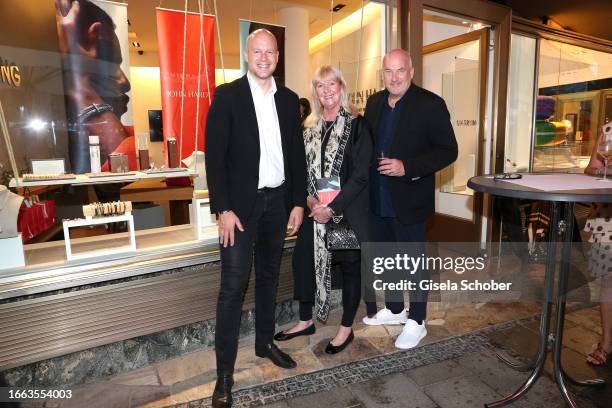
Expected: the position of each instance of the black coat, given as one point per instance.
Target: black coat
(425, 141)
(354, 199)
(353, 202)
(232, 149)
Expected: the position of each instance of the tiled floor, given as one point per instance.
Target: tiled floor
(454, 366)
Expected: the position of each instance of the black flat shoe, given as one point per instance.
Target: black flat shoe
(276, 355)
(282, 336)
(222, 396)
(331, 349)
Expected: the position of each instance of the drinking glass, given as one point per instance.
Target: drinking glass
(604, 149)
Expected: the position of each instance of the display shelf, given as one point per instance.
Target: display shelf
(201, 219)
(158, 249)
(89, 221)
(11, 252)
(82, 179)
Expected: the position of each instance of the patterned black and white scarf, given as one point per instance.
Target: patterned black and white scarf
(332, 163)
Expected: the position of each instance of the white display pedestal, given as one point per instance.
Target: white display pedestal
(11, 252)
(201, 218)
(97, 221)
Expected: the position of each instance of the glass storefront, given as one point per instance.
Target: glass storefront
(559, 95)
(43, 123)
(553, 126)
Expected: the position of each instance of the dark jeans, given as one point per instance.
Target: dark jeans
(386, 229)
(265, 230)
(351, 292)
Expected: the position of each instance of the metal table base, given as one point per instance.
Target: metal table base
(559, 227)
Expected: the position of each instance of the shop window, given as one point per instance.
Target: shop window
(42, 123)
(573, 102)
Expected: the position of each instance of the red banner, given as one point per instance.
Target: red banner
(182, 85)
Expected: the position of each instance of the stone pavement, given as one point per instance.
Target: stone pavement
(454, 366)
(467, 374)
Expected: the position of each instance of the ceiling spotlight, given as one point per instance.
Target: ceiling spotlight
(338, 7)
(136, 44)
(464, 22)
(477, 26)
(36, 125)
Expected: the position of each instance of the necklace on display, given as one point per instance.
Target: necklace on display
(4, 196)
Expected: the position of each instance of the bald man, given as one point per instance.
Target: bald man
(256, 173)
(412, 131)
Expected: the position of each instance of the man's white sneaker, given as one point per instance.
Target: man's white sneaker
(411, 335)
(385, 316)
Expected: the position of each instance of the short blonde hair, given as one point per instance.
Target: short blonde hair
(327, 71)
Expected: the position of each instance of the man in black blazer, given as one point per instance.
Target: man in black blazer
(413, 139)
(256, 173)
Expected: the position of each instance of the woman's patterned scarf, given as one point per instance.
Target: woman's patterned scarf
(332, 162)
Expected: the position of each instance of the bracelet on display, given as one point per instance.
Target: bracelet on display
(107, 209)
(93, 110)
(45, 176)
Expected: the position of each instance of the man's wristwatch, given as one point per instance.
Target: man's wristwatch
(93, 110)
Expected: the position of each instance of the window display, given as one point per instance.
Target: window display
(553, 125)
(89, 89)
(9, 210)
(573, 85)
(101, 214)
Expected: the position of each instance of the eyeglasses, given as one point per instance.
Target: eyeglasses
(507, 176)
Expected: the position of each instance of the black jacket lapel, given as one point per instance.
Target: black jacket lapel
(407, 104)
(376, 108)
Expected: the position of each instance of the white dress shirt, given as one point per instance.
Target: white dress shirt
(271, 167)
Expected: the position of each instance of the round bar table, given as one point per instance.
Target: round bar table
(562, 223)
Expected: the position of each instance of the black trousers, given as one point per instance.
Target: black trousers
(265, 230)
(350, 265)
(386, 229)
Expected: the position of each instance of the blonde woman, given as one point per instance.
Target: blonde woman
(334, 138)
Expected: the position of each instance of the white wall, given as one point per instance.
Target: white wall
(434, 32)
(345, 53)
(562, 64)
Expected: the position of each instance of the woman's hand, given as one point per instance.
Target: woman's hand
(312, 203)
(321, 214)
(596, 164)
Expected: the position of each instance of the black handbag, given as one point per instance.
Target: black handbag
(340, 236)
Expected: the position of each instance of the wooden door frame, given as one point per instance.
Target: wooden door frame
(459, 224)
(499, 18)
